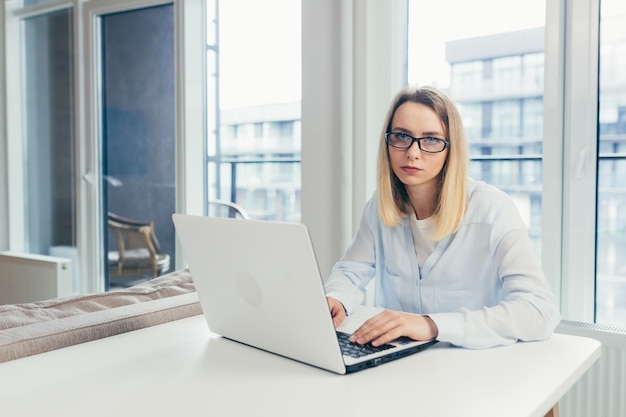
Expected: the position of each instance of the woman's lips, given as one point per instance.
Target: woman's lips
(410, 169)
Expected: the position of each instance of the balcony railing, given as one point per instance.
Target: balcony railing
(507, 182)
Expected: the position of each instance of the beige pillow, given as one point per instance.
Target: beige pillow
(31, 328)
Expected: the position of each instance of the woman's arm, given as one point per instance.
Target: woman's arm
(527, 310)
(350, 276)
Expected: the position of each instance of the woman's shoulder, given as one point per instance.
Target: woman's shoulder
(370, 209)
(480, 190)
(486, 200)
(371, 213)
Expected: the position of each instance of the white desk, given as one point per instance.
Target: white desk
(180, 369)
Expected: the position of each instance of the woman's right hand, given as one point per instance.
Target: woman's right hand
(336, 310)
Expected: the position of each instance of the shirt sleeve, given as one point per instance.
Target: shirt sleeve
(350, 276)
(529, 309)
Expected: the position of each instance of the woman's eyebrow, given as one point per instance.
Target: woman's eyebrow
(400, 129)
(424, 134)
(433, 133)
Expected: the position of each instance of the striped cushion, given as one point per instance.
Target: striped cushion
(28, 329)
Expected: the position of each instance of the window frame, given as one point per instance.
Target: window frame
(570, 163)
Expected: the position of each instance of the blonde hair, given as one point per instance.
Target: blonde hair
(451, 198)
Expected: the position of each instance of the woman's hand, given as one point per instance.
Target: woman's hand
(390, 325)
(336, 310)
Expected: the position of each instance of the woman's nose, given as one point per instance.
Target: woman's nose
(414, 151)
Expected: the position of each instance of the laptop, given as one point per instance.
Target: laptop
(259, 284)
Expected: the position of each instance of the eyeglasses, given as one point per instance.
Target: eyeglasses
(427, 144)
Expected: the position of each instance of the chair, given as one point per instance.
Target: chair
(138, 252)
(222, 208)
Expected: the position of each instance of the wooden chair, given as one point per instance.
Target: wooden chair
(138, 252)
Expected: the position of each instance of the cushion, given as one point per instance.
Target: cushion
(30, 328)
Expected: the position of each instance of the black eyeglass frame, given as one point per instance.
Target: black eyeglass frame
(418, 140)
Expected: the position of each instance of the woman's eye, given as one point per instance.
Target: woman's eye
(431, 140)
(402, 136)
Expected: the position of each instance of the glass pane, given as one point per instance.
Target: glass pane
(611, 233)
(139, 145)
(38, 2)
(254, 154)
(50, 140)
(493, 70)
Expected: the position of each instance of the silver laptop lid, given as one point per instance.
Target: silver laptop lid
(259, 283)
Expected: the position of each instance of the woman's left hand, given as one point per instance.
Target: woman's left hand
(390, 325)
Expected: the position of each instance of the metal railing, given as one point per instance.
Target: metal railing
(236, 162)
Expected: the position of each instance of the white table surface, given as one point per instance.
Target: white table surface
(181, 369)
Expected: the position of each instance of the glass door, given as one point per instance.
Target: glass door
(49, 144)
(129, 153)
(138, 143)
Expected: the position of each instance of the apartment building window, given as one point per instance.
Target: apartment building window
(471, 114)
(506, 119)
(258, 130)
(532, 70)
(470, 75)
(532, 121)
(507, 74)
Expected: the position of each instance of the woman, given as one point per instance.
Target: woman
(450, 256)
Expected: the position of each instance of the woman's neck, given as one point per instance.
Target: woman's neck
(423, 198)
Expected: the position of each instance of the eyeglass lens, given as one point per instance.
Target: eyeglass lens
(426, 144)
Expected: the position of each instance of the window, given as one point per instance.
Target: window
(507, 74)
(506, 120)
(532, 70)
(254, 149)
(469, 76)
(50, 200)
(611, 199)
(493, 69)
(532, 122)
(471, 114)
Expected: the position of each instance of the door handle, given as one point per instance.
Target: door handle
(581, 164)
(88, 178)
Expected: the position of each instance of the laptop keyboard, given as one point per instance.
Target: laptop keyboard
(355, 350)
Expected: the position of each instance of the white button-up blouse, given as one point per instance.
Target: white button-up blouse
(482, 285)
